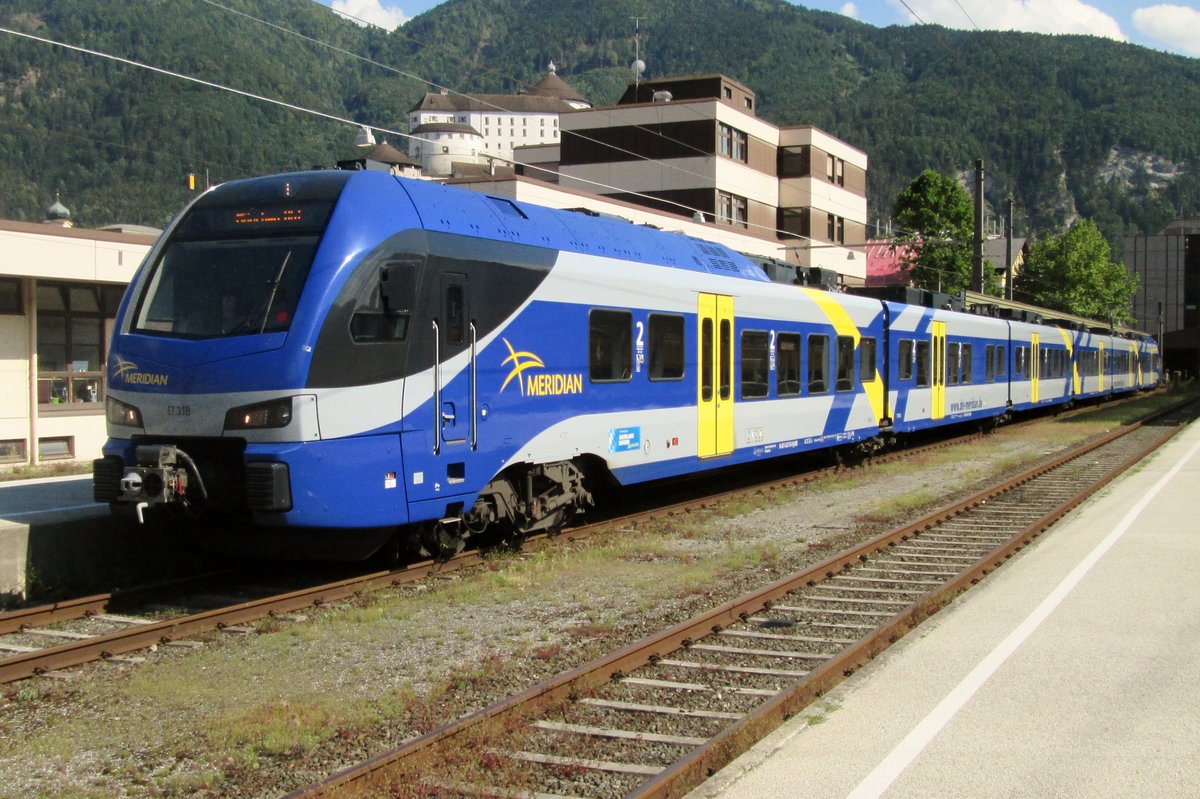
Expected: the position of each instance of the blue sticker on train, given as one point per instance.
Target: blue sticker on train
(624, 439)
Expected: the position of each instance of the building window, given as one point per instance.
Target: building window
(59, 448)
(831, 227)
(731, 209)
(747, 103)
(13, 451)
(70, 341)
(726, 92)
(10, 297)
(733, 143)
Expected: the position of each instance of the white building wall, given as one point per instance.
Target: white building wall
(49, 253)
(822, 195)
(14, 377)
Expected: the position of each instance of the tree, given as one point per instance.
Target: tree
(934, 213)
(1075, 273)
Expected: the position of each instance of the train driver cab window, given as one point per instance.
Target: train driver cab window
(610, 354)
(382, 314)
(845, 363)
(665, 351)
(866, 359)
(818, 364)
(904, 359)
(787, 365)
(922, 364)
(755, 364)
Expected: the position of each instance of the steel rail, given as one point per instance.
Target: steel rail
(690, 769)
(24, 665)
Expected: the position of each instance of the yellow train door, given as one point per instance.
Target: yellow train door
(1035, 365)
(714, 395)
(938, 407)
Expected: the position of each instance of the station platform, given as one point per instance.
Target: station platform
(1072, 671)
(56, 541)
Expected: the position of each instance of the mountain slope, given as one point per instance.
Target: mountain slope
(1070, 125)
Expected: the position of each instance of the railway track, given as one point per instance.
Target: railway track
(657, 717)
(113, 627)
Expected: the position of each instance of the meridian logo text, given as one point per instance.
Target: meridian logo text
(538, 385)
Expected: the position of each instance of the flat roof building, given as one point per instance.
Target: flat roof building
(59, 292)
(694, 146)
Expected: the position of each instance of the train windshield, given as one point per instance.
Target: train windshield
(236, 263)
(231, 287)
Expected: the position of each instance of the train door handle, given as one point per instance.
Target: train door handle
(449, 416)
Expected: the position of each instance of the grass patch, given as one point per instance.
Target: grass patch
(57, 469)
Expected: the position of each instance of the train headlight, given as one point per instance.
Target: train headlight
(122, 414)
(276, 413)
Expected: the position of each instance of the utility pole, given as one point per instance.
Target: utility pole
(977, 260)
(1008, 250)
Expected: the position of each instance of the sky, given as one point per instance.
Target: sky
(1172, 26)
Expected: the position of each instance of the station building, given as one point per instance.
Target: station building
(59, 292)
(1167, 302)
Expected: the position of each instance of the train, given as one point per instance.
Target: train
(365, 357)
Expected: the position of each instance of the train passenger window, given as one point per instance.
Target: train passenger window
(1019, 365)
(866, 359)
(952, 363)
(725, 387)
(755, 364)
(999, 360)
(610, 355)
(665, 349)
(845, 363)
(966, 363)
(787, 365)
(706, 361)
(922, 362)
(990, 365)
(1044, 362)
(818, 363)
(905, 359)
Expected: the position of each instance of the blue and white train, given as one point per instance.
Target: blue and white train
(354, 352)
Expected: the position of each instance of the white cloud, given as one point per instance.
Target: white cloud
(373, 12)
(1035, 16)
(849, 10)
(1178, 27)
